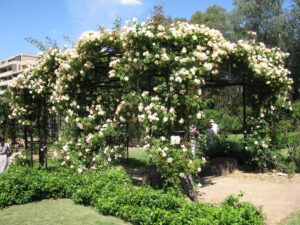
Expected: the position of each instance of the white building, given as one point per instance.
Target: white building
(12, 67)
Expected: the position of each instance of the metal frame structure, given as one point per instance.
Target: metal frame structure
(225, 79)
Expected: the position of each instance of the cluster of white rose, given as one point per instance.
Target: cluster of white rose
(180, 58)
(174, 62)
(29, 89)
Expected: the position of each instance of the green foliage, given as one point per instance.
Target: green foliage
(294, 155)
(279, 135)
(111, 193)
(97, 184)
(214, 17)
(285, 135)
(228, 123)
(275, 25)
(296, 113)
(288, 159)
(21, 158)
(22, 185)
(262, 16)
(173, 162)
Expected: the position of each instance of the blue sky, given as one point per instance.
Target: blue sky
(57, 18)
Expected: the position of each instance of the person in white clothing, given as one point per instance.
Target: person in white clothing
(193, 133)
(214, 127)
(4, 148)
(212, 133)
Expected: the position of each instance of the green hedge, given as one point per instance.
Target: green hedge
(112, 193)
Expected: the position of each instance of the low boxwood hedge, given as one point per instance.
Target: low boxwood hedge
(111, 192)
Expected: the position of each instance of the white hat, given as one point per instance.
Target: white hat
(211, 121)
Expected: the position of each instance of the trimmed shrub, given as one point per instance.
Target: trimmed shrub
(110, 191)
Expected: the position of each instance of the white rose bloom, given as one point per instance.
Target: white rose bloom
(165, 57)
(89, 138)
(208, 66)
(199, 115)
(178, 79)
(169, 160)
(175, 140)
(65, 148)
(146, 146)
(201, 56)
(140, 107)
(122, 119)
(79, 170)
(197, 81)
(141, 117)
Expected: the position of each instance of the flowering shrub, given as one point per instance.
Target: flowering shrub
(20, 158)
(174, 161)
(151, 74)
(31, 90)
(177, 60)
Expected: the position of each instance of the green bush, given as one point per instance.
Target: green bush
(228, 123)
(110, 191)
(22, 185)
(96, 184)
(296, 112)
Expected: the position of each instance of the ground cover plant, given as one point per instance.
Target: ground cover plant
(110, 191)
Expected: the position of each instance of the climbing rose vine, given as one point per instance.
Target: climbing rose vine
(153, 75)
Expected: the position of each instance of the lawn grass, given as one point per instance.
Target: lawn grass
(54, 212)
(137, 158)
(235, 137)
(293, 219)
(139, 154)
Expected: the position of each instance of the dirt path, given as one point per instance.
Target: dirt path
(279, 195)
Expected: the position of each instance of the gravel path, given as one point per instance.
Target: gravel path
(279, 195)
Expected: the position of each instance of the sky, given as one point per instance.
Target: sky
(37, 19)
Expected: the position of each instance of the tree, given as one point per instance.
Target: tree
(274, 25)
(158, 16)
(180, 19)
(265, 17)
(214, 17)
(294, 46)
(197, 18)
